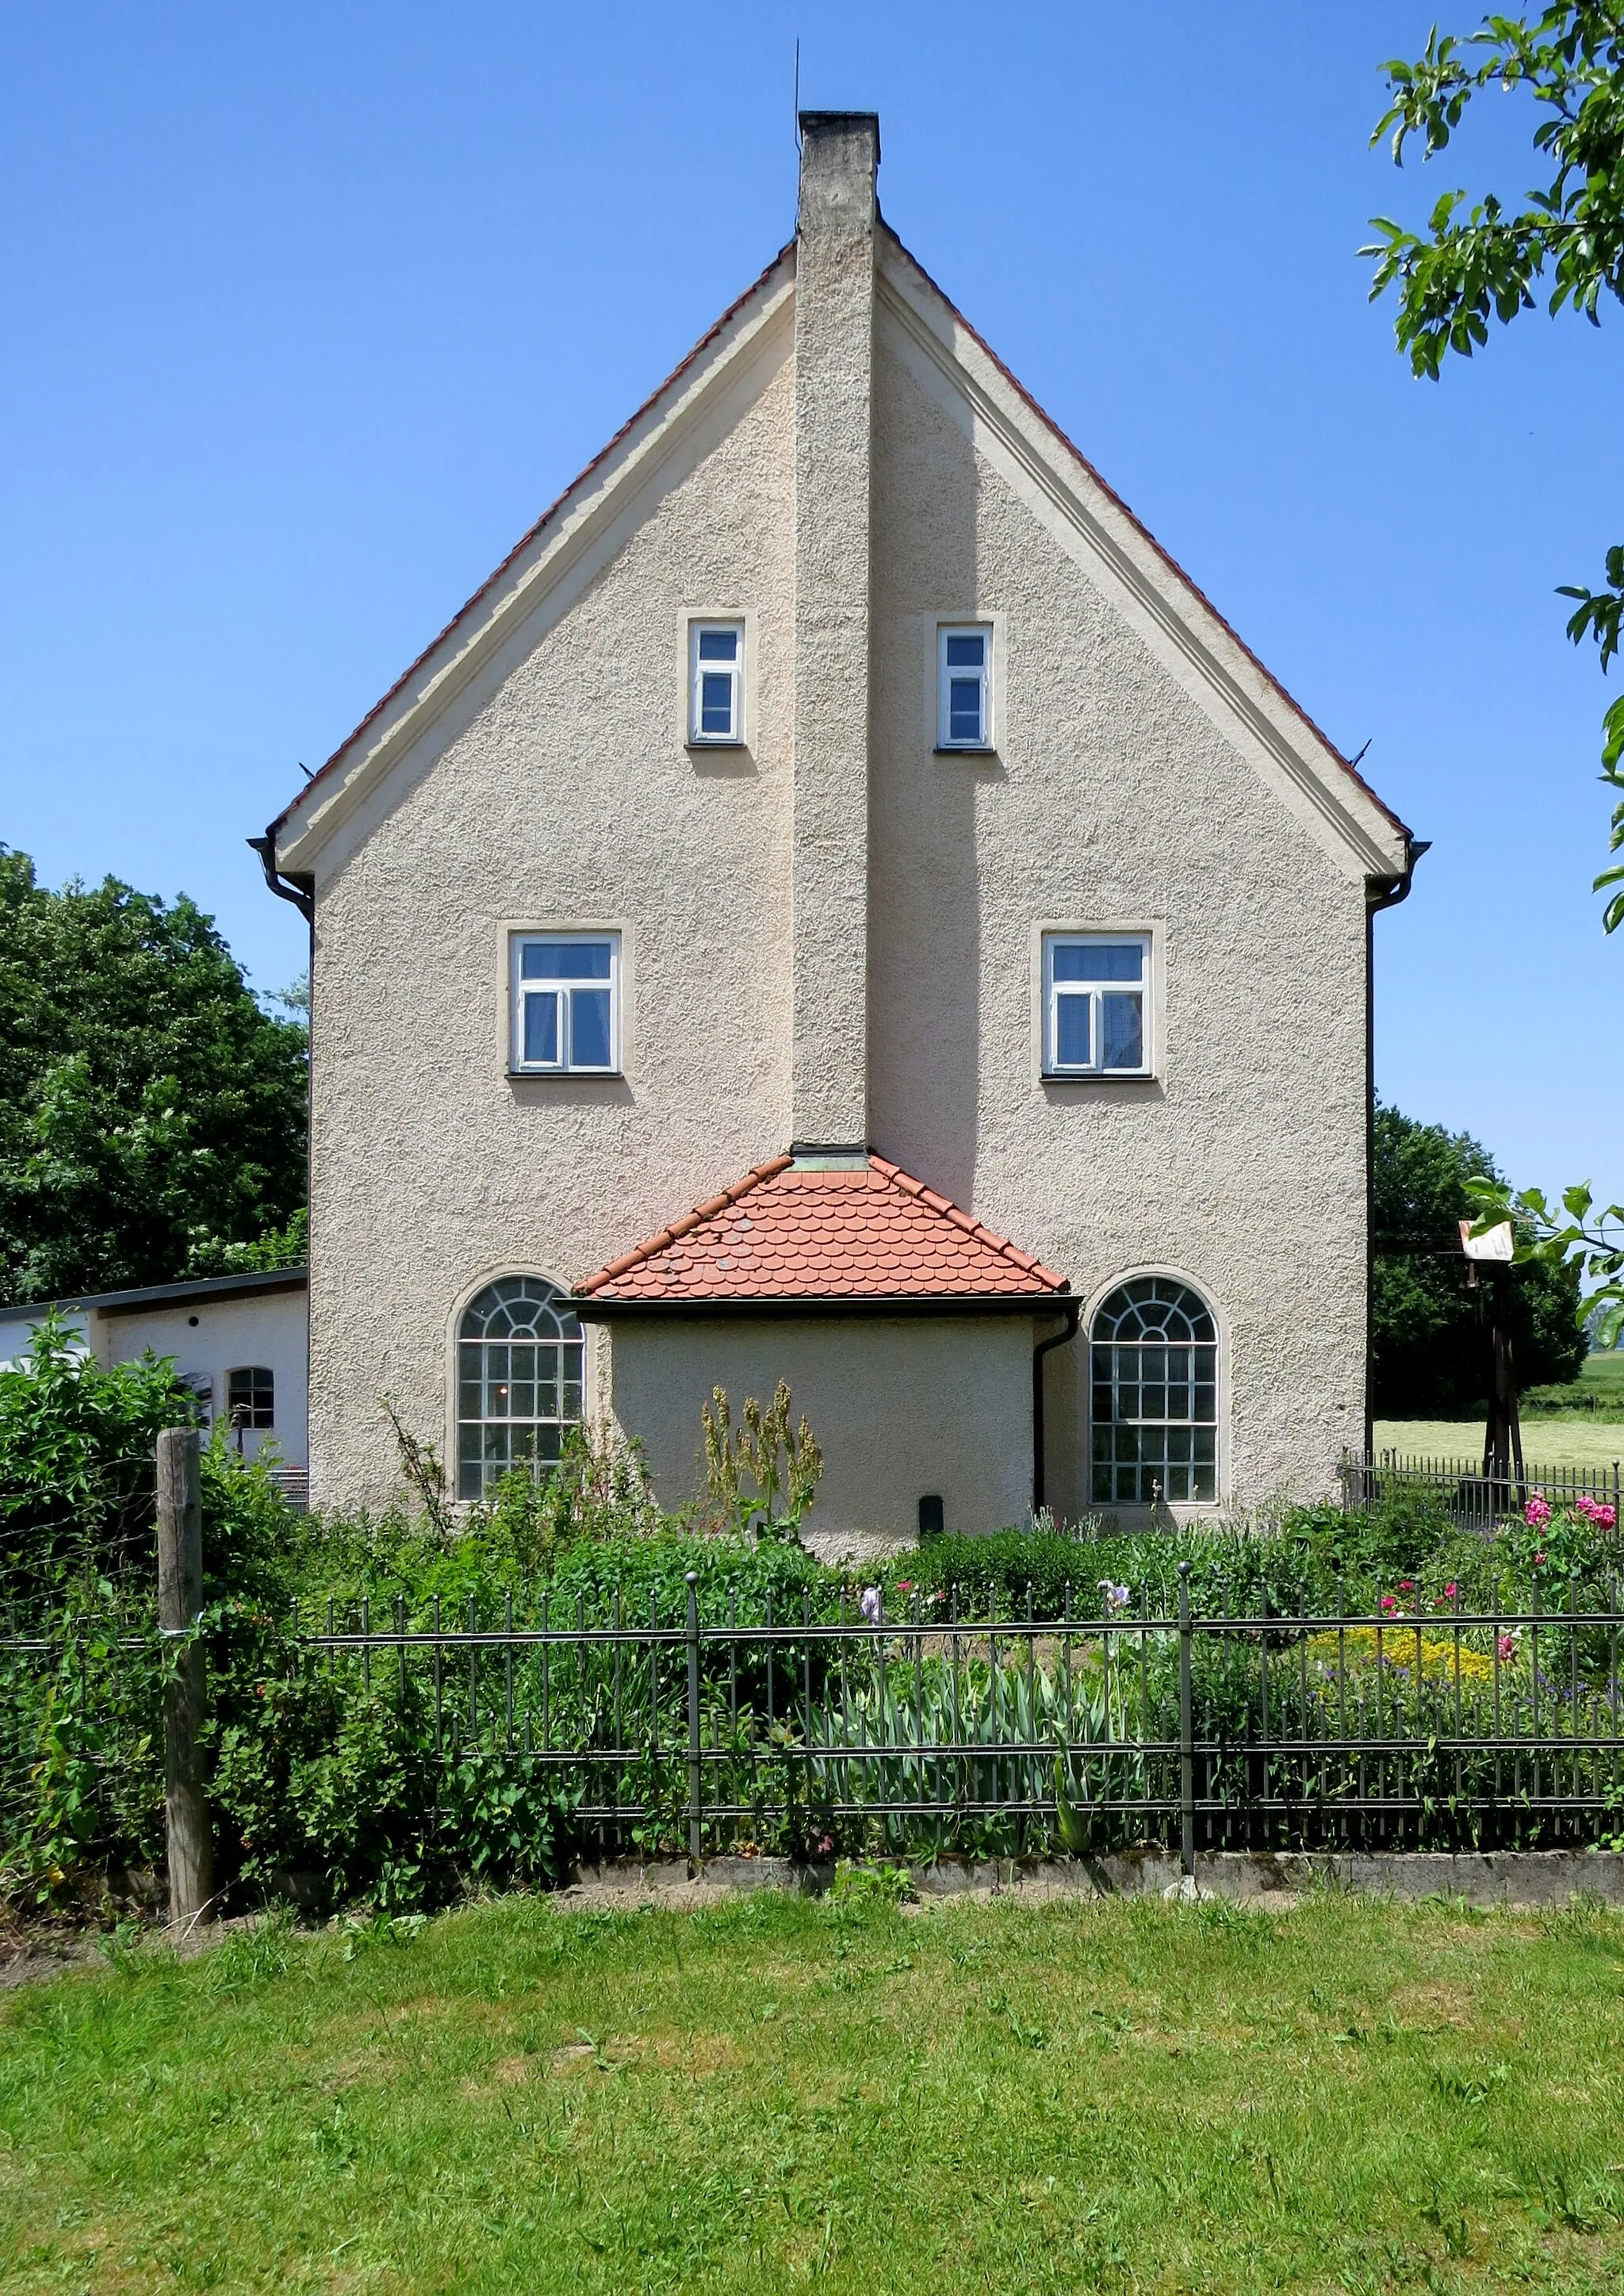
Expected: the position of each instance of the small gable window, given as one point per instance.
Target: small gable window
(1094, 994)
(716, 681)
(565, 1015)
(964, 688)
(250, 1396)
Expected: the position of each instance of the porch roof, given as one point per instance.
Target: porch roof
(792, 1230)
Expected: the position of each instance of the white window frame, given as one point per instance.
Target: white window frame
(519, 988)
(698, 627)
(944, 717)
(1053, 1066)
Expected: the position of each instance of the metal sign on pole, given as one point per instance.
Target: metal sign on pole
(1502, 1437)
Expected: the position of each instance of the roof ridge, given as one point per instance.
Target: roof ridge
(1140, 528)
(684, 1225)
(880, 1169)
(531, 532)
(961, 1218)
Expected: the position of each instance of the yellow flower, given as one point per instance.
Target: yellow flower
(1399, 1644)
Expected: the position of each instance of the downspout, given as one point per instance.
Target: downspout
(1380, 893)
(1073, 1310)
(300, 890)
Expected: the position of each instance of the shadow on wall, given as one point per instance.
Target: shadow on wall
(924, 898)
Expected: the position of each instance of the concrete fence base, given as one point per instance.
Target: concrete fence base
(1518, 1878)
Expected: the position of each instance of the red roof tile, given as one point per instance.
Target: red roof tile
(787, 1233)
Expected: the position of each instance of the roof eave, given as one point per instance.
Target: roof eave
(594, 1308)
(1382, 839)
(426, 684)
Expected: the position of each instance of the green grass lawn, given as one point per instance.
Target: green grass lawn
(1349, 2096)
(1549, 1440)
(1606, 1374)
(1555, 1442)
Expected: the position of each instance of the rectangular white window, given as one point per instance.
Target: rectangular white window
(565, 1015)
(1095, 990)
(716, 681)
(963, 689)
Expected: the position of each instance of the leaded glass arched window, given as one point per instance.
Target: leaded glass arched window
(519, 1380)
(1153, 1365)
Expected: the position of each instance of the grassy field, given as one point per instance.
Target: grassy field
(1554, 1442)
(1549, 1440)
(1348, 2096)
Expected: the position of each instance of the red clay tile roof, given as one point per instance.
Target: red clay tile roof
(784, 1233)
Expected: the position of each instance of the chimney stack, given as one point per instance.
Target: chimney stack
(834, 324)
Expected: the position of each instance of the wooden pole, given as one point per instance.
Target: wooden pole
(180, 1602)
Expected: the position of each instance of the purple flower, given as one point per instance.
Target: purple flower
(870, 1605)
(1114, 1598)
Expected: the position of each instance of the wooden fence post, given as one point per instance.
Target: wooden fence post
(180, 1602)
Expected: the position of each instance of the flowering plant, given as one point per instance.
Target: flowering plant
(1113, 1597)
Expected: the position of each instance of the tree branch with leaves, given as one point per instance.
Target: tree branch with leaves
(1482, 261)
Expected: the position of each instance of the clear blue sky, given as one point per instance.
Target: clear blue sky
(309, 310)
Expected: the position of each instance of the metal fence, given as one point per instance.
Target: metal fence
(928, 1732)
(934, 1732)
(1478, 1501)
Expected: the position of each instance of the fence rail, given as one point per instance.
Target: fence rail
(939, 1729)
(1478, 1501)
(1272, 1730)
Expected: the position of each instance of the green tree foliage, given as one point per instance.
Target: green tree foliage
(152, 1114)
(77, 1461)
(1428, 1337)
(1472, 262)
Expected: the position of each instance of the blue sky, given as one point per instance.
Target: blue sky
(309, 311)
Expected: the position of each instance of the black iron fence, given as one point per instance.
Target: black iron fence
(928, 1732)
(1477, 1500)
(921, 1735)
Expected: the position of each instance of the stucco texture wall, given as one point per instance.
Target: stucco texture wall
(901, 1407)
(560, 790)
(1113, 797)
(557, 789)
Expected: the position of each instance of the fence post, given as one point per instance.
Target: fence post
(694, 1782)
(180, 1602)
(1186, 1731)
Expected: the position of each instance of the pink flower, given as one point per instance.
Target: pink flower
(1537, 1513)
(1591, 1511)
(1406, 1586)
(1451, 1591)
(1390, 1603)
(904, 1586)
(1506, 1647)
(1539, 1562)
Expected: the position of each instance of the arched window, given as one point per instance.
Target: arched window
(519, 1380)
(1155, 1376)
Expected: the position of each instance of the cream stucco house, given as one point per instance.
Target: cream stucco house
(837, 817)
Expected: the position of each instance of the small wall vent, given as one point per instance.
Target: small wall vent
(932, 1518)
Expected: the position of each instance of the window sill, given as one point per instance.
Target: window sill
(1099, 1076)
(703, 745)
(564, 1075)
(965, 749)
